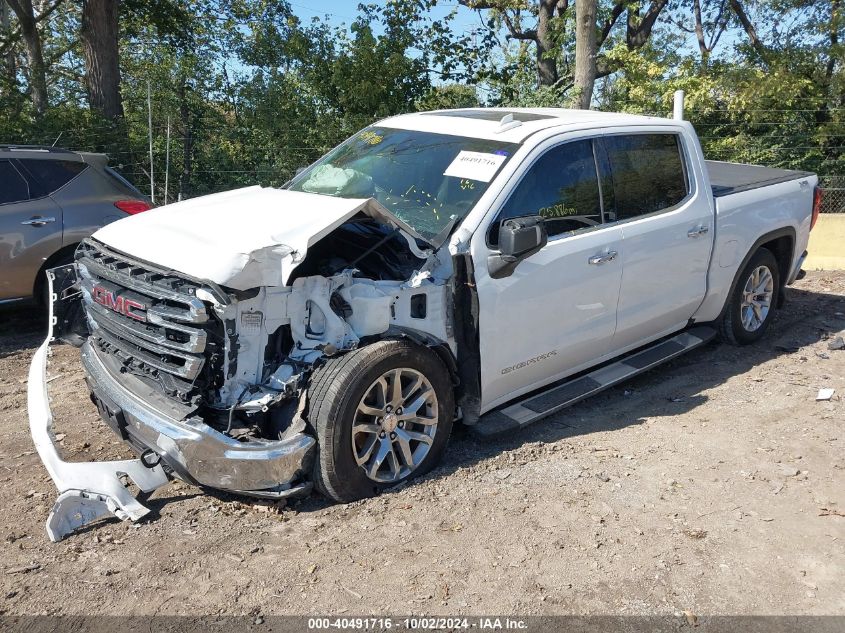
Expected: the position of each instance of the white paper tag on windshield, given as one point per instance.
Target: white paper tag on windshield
(475, 166)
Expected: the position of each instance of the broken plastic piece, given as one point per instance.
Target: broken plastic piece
(825, 394)
(87, 491)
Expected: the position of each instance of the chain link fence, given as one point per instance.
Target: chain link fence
(833, 194)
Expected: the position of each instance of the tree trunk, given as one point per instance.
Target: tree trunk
(546, 64)
(585, 52)
(34, 54)
(699, 34)
(99, 34)
(9, 65)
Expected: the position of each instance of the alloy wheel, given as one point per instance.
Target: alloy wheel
(395, 424)
(757, 298)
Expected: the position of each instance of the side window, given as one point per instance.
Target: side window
(647, 172)
(14, 188)
(50, 175)
(562, 187)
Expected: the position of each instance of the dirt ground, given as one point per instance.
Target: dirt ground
(715, 484)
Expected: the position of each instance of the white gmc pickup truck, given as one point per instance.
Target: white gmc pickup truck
(487, 266)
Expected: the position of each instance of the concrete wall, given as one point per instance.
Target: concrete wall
(827, 243)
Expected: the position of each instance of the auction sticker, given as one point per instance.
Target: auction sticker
(475, 166)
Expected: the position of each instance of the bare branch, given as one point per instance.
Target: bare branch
(750, 31)
(515, 33)
(639, 31)
(618, 9)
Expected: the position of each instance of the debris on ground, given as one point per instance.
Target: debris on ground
(825, 394)
(831, 512)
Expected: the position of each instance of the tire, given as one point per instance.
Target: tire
(343, 394)
(738, 325)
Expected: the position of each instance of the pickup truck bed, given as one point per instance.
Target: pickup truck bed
(729, 178)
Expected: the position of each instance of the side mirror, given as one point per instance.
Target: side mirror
(518, 238)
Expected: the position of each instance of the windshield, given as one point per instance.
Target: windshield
(424, 179)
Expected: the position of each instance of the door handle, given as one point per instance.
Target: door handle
(37, 220)
(701, 230)
(603, 258)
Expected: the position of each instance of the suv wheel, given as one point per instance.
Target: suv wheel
(382, 415)
(751, 307)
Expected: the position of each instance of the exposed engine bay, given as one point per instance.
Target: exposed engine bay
(360, 283)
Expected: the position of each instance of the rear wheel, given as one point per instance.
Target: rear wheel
(751, 306)
(382, 415)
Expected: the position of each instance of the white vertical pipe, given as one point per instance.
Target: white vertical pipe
(678, 113)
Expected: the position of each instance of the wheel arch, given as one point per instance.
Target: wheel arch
(50, 262)
(781, 242)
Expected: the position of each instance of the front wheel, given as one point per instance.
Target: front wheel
(751, 306)
(382, 415)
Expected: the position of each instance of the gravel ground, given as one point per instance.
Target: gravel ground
(712, 485)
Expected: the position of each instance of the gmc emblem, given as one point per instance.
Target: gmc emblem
(121, 305)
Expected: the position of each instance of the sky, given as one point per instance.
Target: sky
(345, 11)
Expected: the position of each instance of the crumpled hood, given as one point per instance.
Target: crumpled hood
(241, 239)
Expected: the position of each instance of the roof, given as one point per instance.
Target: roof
(36, 149)
(487, 122)
(51, 153)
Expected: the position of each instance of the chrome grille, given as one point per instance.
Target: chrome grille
(151, 319)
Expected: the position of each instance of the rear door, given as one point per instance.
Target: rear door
(666, 224)
(85, 196)
(30, 231)
(557, 310)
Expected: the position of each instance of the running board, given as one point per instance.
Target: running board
(545, 403)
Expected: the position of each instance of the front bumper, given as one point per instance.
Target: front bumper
(193, 450)
(185, 446)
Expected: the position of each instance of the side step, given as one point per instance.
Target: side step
(545, 403)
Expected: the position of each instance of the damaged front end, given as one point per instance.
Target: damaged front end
(209, 384)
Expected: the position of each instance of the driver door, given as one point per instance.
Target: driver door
(556, 312)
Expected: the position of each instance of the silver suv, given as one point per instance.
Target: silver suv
(50, 199)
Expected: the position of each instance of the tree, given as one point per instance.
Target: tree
(585, 52)
(541, 35)
(551, 40)
(9, 62)
(36, 71)
(99, 34)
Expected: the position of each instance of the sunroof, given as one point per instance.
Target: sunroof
(492, 115)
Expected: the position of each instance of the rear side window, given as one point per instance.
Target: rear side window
(121, 183)
(562, 187)
(647, 173)
(13, 187)
(51, 175)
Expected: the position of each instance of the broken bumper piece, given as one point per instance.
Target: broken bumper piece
(169, 445)
(87, 491)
